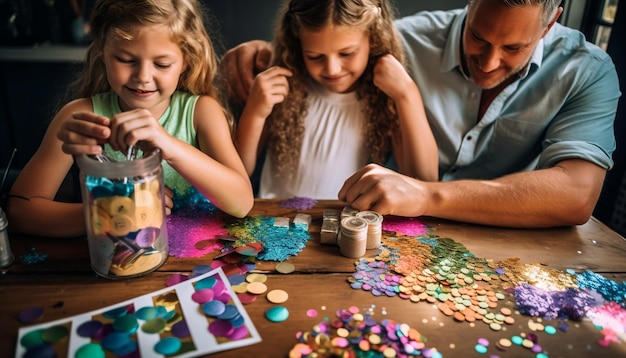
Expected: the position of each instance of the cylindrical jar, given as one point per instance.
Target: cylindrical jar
(374, 227)
(6, 255)
(352, 238)
(124, 214)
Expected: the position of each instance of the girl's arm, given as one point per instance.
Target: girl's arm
(31, 208)
(269, 88)
(215, 169)
(414, 145)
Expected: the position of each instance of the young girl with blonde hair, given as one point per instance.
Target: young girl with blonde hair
(148, 82)
(336, 98)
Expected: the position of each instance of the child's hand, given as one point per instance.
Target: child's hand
(84, 133)
(169, 202)
(269, 88)
(138, 125)
(391, 77)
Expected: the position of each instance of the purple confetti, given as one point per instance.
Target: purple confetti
(180, 329)
(571, 304)
(31, 315)
(299, 203)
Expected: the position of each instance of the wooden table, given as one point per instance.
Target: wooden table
(65, 285)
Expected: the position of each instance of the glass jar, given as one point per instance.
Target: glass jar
(124, 214)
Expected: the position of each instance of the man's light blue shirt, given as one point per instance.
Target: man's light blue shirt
(562, 106)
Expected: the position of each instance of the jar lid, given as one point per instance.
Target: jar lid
(353, 223)
(371, 217)
(113, 169)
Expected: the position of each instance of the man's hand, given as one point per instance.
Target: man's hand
(382, 190)
(241, 64)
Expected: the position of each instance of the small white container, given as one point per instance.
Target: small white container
(374, 227)
(352, 238)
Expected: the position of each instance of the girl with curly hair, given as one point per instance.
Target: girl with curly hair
(336, 97)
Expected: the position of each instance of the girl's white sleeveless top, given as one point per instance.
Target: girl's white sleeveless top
(333, 149)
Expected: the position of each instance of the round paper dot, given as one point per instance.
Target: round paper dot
(31, 339)
(285, 267)
(277, 296)
(549, 330)
(31, 315)
(480, 349)
(246, 298)
(175, 279)
(230, 312)
(90, 350)
(311, 313)
(147, 313)
(214, 308)
(239, 333)
(156, 325)
(277, 314)
(54, 334)
(221, 328)
(41, 351)
(256, 277)
(116, 312)
(115, 340)
(202, 296)
(89, 328)
(208, 282)
(180, 329)
(201, 270)
(236, 279)
(168, 346)
(257, 288)
(126, 324)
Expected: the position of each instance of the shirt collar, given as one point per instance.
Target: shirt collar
(452, 51)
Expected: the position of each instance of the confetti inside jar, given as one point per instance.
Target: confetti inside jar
(124, 213)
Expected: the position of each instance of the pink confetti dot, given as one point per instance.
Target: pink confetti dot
(311, 313)
(175, 279)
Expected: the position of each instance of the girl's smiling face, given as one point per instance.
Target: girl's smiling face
(144, 71)
(335, 56)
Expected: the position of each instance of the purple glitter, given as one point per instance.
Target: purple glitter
(299, 203)
(570, 303)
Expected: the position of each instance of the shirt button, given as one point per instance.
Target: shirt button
(469, 137)
(472, 95)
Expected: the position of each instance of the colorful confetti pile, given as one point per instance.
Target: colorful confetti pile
(417, 265)
(356, 334)
(196, 231)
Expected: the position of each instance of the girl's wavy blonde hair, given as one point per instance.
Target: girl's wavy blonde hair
(286, 123)
(184, 18)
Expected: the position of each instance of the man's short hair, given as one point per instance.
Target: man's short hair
(549, 7)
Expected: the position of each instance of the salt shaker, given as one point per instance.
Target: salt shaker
(6, 255)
